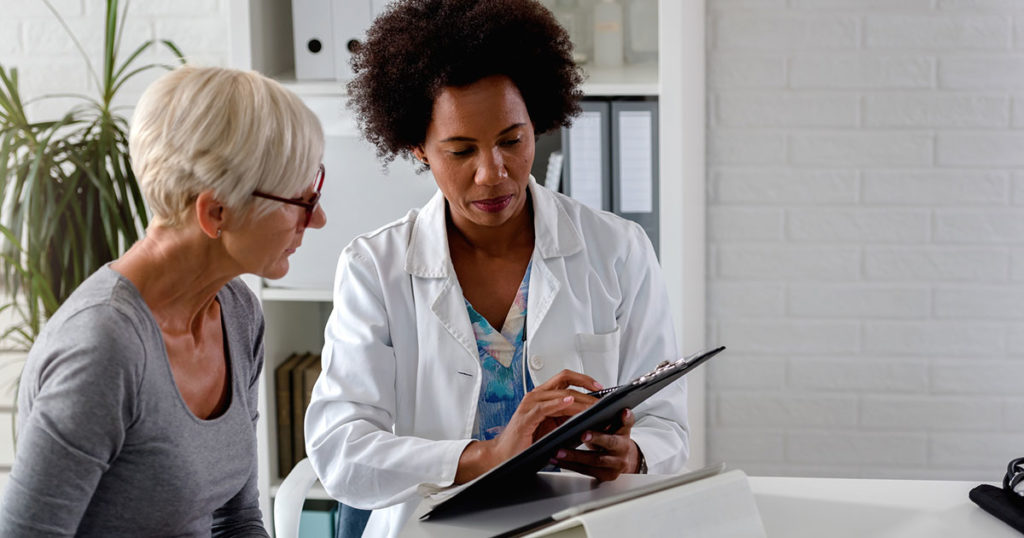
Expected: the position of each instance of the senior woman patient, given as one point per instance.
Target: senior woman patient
(137, 405)
(460, 330)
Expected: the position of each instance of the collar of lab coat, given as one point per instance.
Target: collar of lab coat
(428, 255)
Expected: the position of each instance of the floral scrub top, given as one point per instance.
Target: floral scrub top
(501, 359)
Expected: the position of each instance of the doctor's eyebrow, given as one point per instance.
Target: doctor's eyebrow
(470, 139)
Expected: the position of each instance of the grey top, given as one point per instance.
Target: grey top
(106, 444)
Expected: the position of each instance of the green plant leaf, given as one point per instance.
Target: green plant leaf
(174, 48)
(78, 44)
(69, 199)
(131, 58)
(109, 50)
(136, 71)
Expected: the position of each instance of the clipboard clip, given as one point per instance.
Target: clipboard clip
(663, 367)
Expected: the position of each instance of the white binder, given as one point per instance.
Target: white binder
(350, 24)
(326, 32)
(313, 39)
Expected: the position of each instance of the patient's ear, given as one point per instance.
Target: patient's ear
(210, 214)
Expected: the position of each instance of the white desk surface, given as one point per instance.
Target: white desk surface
(815, 507)
(839, 507)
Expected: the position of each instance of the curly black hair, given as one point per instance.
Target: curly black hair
(418, 47)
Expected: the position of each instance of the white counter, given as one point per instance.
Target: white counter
(837, 507)
(833, 507)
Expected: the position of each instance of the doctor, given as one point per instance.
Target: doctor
(460, 330)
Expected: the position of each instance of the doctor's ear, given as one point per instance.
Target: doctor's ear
(421, 155)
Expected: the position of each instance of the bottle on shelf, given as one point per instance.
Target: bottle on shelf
(573, 17)
(641, 31)
(608, 41)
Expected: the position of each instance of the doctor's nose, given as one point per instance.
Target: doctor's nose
(491, 168)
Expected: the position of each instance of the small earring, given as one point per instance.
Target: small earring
(218, 233)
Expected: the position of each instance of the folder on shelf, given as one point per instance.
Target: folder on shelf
(309, 377)
(634, 128)
(313, 39)
(553, 173)
(351, 18)
(587, 157)
(610, 160)
(298, 411)
(282, 392)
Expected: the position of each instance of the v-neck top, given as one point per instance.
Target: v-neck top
(504, 380)
(107, 445)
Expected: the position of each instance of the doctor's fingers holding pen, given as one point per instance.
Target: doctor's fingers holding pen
(541, 410)
(545, 408)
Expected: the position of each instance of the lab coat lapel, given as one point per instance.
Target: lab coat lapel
(543, 289)
(450, 308)
(556, 237)
(428, 258)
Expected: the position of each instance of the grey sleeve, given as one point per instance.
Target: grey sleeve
(78, 395)
(241, 516)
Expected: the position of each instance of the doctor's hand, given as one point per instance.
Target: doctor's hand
(543, 409)
(608, 454)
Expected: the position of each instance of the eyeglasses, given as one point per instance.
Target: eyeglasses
(1014, 476)
(310, 206)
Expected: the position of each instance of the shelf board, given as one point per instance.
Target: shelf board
(332, 88)
(630, 79)
(290, 294)
(639, 79)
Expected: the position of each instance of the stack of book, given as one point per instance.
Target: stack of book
(293, 384)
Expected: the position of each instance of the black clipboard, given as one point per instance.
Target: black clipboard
(500, 483)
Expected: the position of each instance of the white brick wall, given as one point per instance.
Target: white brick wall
(866, 236)
(32, 40)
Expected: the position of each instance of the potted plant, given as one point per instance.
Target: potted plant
(69, 201)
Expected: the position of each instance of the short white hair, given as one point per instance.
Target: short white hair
(224, 130)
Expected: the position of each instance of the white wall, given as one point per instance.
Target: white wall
(866, 236)
(32, 40)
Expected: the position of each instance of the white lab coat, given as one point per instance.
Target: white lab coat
(396, 403)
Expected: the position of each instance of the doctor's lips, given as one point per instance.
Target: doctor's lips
(493, 205)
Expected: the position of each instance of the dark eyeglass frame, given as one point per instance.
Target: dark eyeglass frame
(309, 206)
(1014, 475)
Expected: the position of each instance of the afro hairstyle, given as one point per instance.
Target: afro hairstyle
(418, 47)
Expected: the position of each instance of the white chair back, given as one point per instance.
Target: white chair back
(290, 497)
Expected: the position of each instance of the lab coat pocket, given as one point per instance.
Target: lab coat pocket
(599, 355)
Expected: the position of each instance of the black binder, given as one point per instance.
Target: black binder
(500, 483)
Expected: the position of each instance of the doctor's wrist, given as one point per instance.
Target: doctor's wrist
(641, 461)
(476, 459)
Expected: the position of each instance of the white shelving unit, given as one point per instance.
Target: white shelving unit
(261, 39)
